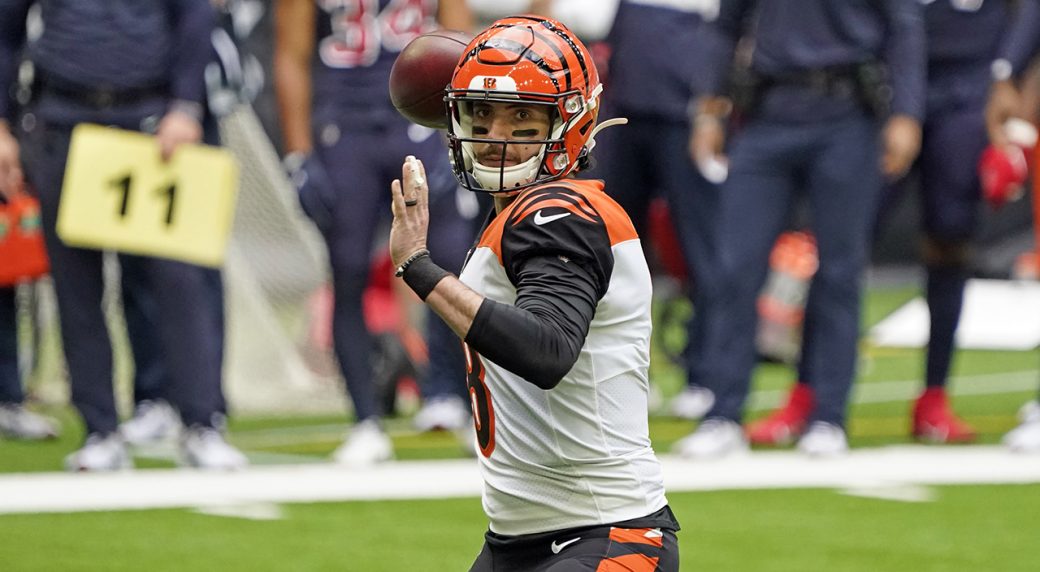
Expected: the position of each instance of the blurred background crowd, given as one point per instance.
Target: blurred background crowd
(774, 152)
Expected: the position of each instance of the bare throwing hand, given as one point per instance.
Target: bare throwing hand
(411, 203)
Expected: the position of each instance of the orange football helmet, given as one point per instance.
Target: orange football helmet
(539, 61)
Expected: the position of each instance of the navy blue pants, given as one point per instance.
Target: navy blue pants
(949, 193)
(647, 158)
(190, 334)
(361, 162)
(836, 164)
(141, 311)
(10, 380)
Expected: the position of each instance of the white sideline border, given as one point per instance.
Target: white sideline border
(892, 466)
(990, 319)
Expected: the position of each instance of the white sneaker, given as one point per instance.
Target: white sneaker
(444, 413)
(205, 448)
(100, 453)
(17, 422)
(692, 403)
(714, 438)
(366, 445)
(1029, 412)
(152, 421)
(1026, 437)
(824, 440)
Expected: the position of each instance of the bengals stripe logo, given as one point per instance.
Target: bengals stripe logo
(634, 560)
(570, 201)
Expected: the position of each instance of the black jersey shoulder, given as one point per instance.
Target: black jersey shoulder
(560, 220)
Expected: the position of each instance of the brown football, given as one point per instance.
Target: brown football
(421, 72)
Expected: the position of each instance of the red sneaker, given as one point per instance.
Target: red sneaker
(935, 422)
(784, 425)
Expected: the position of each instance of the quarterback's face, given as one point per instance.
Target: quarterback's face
(509, 121)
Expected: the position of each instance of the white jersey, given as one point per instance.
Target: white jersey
(578, 454)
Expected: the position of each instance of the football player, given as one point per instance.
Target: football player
(342, 136)
(553, 305)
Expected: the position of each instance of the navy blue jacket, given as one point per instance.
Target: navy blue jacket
(797, 35)
(1023, 36)
(113, 44)
(963, 40)
(652, 63)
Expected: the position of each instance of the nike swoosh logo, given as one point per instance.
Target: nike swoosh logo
(556, 548)
(540, 220)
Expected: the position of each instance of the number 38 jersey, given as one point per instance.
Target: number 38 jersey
(578, 454)
(357, 43)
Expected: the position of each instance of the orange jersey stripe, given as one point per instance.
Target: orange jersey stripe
(619, 226)
(492, 237)
(524, 202)
(651, 536)
(628, 563)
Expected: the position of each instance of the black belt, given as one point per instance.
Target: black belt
(840, 81)
(98, 97)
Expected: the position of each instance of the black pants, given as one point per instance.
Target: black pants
(10, 381)
(607, 547)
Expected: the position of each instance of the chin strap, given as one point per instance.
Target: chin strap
(595, 131)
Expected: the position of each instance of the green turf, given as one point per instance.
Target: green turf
(966, 528)
(302, 438)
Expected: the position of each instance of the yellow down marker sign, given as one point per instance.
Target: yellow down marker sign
(119, 195)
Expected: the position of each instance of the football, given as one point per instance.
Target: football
(421, 72)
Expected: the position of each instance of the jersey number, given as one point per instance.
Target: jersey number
(360, 30)
(480, 400)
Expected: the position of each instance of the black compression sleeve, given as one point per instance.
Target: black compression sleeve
(539, 338)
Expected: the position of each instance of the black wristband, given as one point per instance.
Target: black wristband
(415, 256)
(422, 275)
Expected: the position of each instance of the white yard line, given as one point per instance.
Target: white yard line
(881, 468)
(248, 511)
(897, 493)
